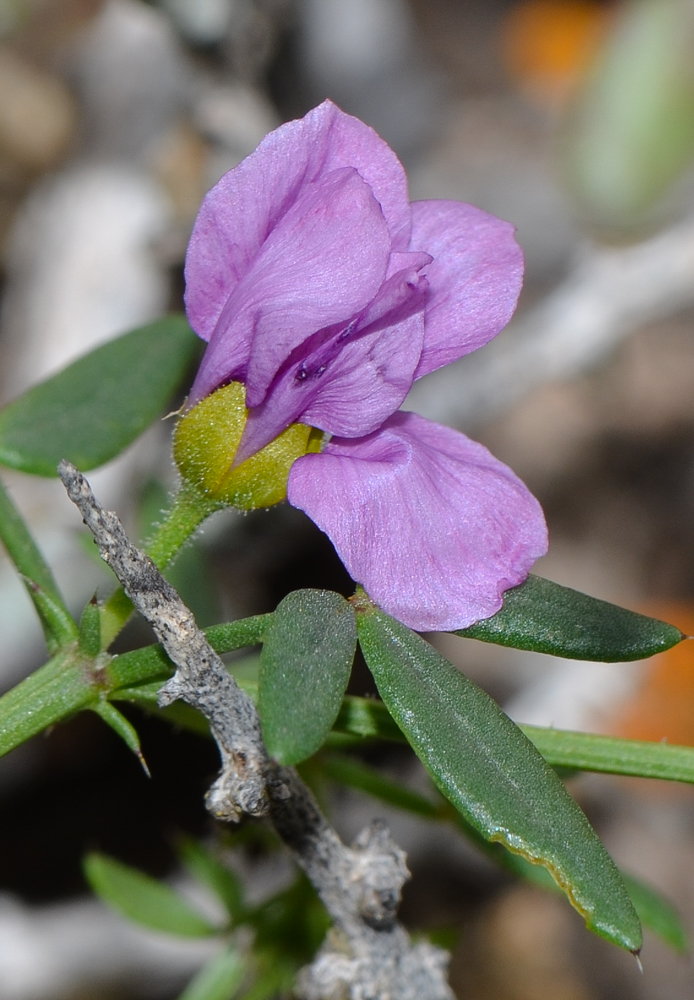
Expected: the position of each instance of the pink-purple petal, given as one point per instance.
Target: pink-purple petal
(347, 380)
(238, 214)
(475, 277)
(432, 525)
(322, 263)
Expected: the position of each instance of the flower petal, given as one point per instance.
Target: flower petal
(346, 381)
(321, 264)
(241, 210)
(433, 526)
(475, 278)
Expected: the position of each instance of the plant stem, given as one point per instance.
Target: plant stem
(187, 513)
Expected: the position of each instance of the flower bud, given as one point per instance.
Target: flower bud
(205, 443)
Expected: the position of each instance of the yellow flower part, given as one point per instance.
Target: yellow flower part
(206, 440)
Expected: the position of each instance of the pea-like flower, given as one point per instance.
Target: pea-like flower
(321, 289)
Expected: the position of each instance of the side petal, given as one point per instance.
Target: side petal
(239, 212)
(432, 525)
(322, 263)
(475, 278)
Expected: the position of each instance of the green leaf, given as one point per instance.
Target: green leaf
(143, 899)
(123, 728)
(545, 617)
(611, 755)
(58, 689)
(203, 865)
(304, 669)
(90, 629)
(92, 410)
(493, 775)
(219, 979)
(653, 910)
(58, 625)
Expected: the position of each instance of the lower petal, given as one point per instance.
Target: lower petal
(432, 525)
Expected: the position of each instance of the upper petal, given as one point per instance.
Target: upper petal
(475, 278)
(242, 209)
(321, 264)
(346, 381)
(433, 526)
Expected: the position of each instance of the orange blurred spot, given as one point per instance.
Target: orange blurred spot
(547, 44)
(663, 706)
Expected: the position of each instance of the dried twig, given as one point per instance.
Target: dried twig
(368, 956)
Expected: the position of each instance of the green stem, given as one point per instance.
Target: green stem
(58, 625)
(187, 513)
(58, 689)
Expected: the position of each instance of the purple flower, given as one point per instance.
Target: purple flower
(321, 288)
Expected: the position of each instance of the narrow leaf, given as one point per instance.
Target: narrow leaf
(91, 411)
(58, 625)
(58, 689)
(123, 728)
(90, 629)
(143, 899)
(611, 755)
(203, 865)
(654, 911)
(304, 669)
(547, 618)
(219, 979)
(493, 775)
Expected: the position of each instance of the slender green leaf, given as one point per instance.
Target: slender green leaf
(219, 979)
(58, 689)
(58, 625)
(654, 911)
(203, 865)
(91, 411)
(587, 752)
(545, 617)
(123, 728)
(90, 629)
(304, 669)
(493, 775)
(143, 899)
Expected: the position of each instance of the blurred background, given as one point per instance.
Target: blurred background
(572, 119)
